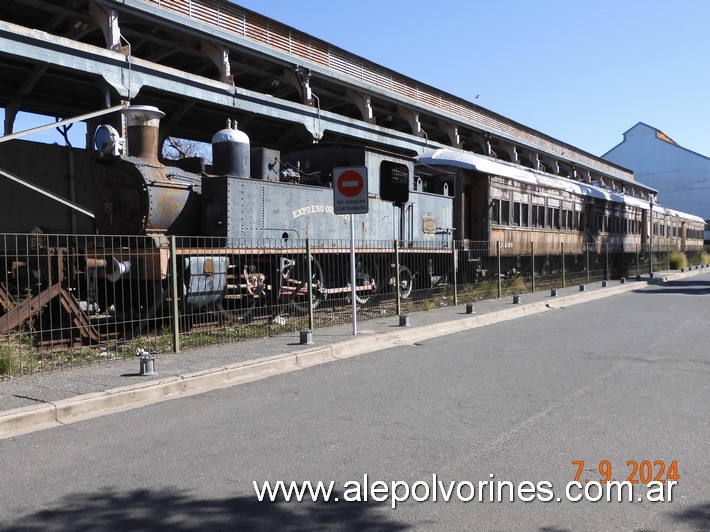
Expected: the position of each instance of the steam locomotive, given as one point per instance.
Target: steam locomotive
(243, 225)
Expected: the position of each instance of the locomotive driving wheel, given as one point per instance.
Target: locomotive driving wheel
(367, 275)
(240, 299)
(294, 283)
(406, 282)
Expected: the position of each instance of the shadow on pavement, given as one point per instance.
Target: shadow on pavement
(685, 287)
(697, 516)
(175, 510)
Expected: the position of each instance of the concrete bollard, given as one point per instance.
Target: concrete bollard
(147, 363)
(404, 320)
(306, 337)
(470, 308)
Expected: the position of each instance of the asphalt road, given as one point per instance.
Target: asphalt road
(607, 382)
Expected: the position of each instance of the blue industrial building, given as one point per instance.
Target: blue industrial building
(681, 176)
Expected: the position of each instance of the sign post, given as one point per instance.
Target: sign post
(350, 197)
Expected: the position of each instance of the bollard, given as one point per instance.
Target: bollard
(604, 284)
(306, 337)
(517, 300)
(582, 288)
(404, 320)
(147, 362)
(623, 280)
(553, 292)
(470, 309)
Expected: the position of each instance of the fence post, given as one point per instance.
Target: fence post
(397, 279)
(586, 252)
(606, 252)
(453, 251)
(310, 284)
(638, 264)
(174, 295)
(564, 280)
(500, 282)
(532, 258)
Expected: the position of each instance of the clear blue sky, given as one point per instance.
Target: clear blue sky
(582, 72)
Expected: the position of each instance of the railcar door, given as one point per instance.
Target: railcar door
(471, 198)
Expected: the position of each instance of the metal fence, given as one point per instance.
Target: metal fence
(87, 299)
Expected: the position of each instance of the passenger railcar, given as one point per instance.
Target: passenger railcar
(520, 210)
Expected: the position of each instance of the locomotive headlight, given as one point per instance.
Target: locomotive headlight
(107, 140)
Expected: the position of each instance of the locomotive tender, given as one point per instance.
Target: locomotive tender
(252, 196)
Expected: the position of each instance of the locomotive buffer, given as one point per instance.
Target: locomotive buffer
(350, 197)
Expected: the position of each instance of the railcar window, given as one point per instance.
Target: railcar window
(505, 212)
(655, 228)
(495, 211)
(525, 213)
(394, 182)
(516, 213)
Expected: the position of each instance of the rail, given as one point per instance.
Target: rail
(272, 34)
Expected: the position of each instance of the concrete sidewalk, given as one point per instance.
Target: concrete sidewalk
(50, 399)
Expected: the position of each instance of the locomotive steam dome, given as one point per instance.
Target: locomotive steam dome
(230, 152)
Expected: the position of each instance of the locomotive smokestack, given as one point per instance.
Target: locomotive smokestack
(143, 124)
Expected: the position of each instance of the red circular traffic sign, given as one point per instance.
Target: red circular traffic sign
(350, 183)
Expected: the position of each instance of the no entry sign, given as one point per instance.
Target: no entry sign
(350, 190)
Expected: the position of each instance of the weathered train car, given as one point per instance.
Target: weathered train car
(518, 209)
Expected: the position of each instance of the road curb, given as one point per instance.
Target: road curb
(28, 419)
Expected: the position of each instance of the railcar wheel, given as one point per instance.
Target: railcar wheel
(406, 282)
(295, 284)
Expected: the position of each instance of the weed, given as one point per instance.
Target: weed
(677, 260)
